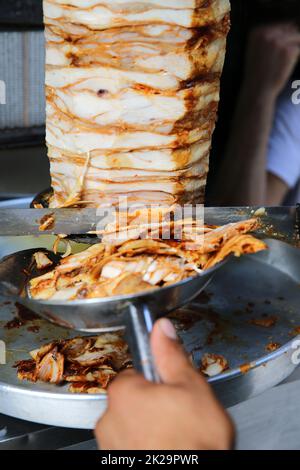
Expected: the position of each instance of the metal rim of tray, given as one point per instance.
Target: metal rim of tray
(42, 198)
(135, 297)
(11, 203)
(89, 402)
(85, 409)
(226, 376)
(231, 374)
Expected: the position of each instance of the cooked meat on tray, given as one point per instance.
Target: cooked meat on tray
(128, 266)
(132, 92)
(87, 363)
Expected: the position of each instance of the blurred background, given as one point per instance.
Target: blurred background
(23, 162)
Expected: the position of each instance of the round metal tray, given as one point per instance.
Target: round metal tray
(220, 322)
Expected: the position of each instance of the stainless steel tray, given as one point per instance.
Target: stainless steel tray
(219, 322)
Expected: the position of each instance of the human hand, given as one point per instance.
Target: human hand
(182, 413)
(273, 52)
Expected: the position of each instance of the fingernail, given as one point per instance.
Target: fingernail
(168, 329)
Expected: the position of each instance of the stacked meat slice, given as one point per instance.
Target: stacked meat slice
(132, 94)
(87, 363)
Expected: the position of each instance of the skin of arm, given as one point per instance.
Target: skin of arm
(273, 52)
(181, 413)
(276, 190)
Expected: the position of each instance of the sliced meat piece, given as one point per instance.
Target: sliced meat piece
(127, 364)
(42, 260)
(93, 358)
(213, 364)
(51, 367)
(134, 247)
(131, 284)
(105, 14)
(38, 354)
(237, 246)
(133, 265)
(154, 270)
(271, 347)
(220, 235)
(113, 344)
(90, 363)
(76, 346)
(107, 348)
(43, 287)
(265, 322)
(27, 370)
(86, 387)
(103, 375)
(124, 284)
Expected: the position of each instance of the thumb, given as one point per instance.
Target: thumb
(171, 361)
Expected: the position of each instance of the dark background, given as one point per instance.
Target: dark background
(27, 14)
(23, 13)
(246, 14)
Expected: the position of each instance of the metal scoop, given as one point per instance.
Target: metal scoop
(136, 313)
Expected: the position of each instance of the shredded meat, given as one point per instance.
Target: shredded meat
(87, 363)
(265, 322)
(271, 347)
(127, 261)
(213, 364)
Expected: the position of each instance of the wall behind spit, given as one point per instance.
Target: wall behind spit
(24, 171)
(22, 70)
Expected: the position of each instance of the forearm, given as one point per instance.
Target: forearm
(242, 178)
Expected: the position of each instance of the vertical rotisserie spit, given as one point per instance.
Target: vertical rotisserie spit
(132, 95)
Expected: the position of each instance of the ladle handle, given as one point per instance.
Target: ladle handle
(139, 324)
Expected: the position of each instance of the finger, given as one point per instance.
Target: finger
(106, 432)
(283, 29)
(293, 55)
(120, 387)
(293, 39)
(171, 361)
(287, 29)
(127, 373)
(126, 377)
(281, 35)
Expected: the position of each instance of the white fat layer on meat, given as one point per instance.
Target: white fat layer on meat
(62, 134)
(105, 78)
(160, 160)
(179, 4)
(103, 15)
(132, 93)
(127, 175)
(75, 261)
(213, 369)
(67, 293)
(147, 186)
(132, 107)
(155, 36)
(179, 64)
(154, 271)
